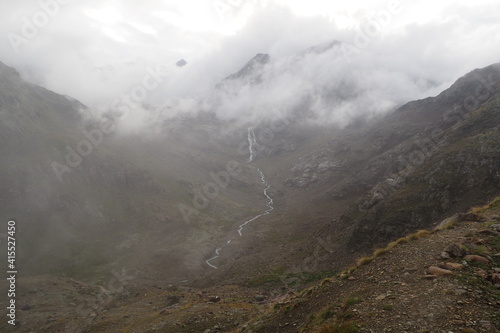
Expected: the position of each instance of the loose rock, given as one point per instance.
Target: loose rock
(436, 271)
(453, 265)
(260, 298)
(214, 299)
(476, 258)
(482, 273)
(455, 251)
(495, 278)
(445, 255)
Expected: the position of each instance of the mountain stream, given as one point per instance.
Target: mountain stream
(251, 143)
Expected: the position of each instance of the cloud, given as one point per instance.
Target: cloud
(98, 51)
(411, 62)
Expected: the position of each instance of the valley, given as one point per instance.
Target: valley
(202, 223)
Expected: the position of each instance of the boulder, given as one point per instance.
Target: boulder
(445, 255)
(454, 250)
(436, 271)
(476, 258)
(454, 265)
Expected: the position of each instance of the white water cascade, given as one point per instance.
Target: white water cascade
(251, 143)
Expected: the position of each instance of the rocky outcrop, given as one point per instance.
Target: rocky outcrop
(312, 168)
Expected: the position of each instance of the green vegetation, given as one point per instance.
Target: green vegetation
(419, 234)
(324, 314)
(278, 277)
(336, 318)
(494, 205)
(494, 244)
(482, 250)
(351, 301)
(484, 245)
(388, 307)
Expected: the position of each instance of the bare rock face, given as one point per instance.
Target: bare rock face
(312, 168)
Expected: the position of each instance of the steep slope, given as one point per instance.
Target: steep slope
(90, 202)
(390, 291)
(393, 291)
(340, 193)
(87, 198)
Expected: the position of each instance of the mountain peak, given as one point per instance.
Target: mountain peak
(181, 63)
(260, 60)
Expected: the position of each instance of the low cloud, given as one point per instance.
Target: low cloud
(99, 51)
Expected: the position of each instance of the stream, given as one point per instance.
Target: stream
(251, 143)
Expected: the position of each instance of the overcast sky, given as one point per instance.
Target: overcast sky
(97, 50)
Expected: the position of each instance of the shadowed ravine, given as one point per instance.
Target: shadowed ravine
(251, 143)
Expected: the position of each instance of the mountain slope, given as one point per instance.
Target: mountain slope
(86, 197)
(90, 202)
(393, 292)
(390, 291)
(341, 193)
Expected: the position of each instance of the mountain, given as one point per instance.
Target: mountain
(316, 86)
(197, 206)
(439, 280)
(254, 65)
(340, 193)
(87, 198)
(427, 281)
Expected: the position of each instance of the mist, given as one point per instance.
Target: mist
(104, 54)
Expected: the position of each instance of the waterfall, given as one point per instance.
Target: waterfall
(251, 142)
